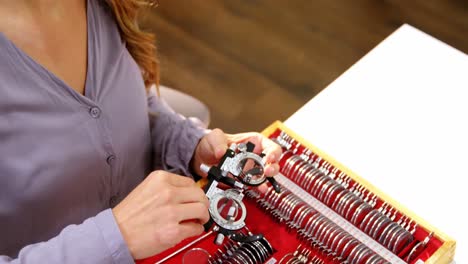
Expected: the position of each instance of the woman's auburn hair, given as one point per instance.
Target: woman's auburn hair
(140, 44)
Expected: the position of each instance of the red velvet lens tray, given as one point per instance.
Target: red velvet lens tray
(426, 244)
(282, 239)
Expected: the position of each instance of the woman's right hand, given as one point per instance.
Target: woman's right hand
(160, 212)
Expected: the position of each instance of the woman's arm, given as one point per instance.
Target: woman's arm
(174, 137)
(159, 213)
(97, 240)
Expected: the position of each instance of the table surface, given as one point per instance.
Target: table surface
(399, 119)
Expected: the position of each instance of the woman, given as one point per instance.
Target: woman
(86, 174)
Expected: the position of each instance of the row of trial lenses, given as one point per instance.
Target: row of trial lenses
(312, 225)
(256, 252)
(294, 166)
(271, 201)
(338, 240)
(302, 255)
(298, 164)
(325, 167)
(339, 176)
(285, 141)
(327, 190)
(289, 144)
(388, 232)
(346, 203)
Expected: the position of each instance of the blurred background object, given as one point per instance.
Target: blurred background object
(186, 105)
(255, 61)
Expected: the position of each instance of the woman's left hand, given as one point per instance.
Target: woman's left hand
(212, 147)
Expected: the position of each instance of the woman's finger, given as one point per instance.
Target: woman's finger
(171, 178)
(191, 195)
(190, 229)
(272, 150)
(262, 144)
(192, 211)
(217, 142)
(272, 169)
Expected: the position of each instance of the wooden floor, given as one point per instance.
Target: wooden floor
(256, 61)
